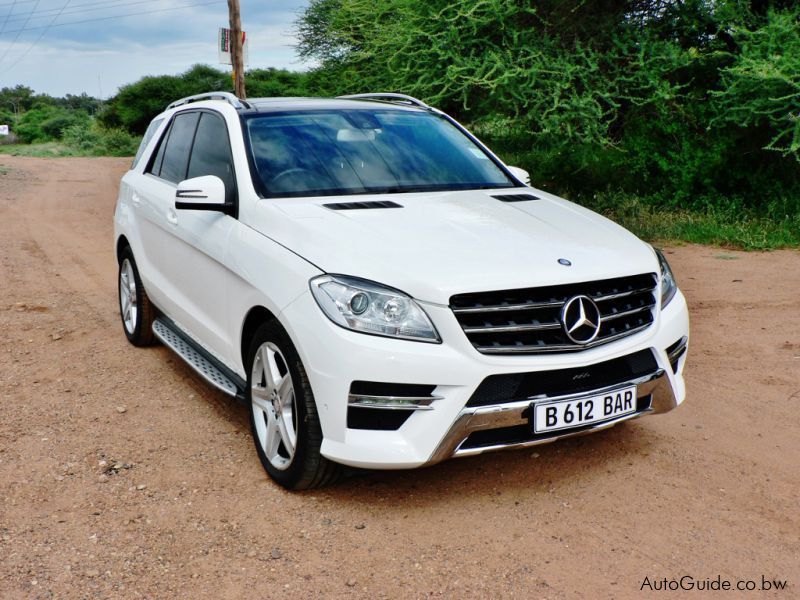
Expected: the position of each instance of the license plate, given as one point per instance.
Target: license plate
(566, 414)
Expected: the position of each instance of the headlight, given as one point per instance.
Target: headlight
(668, 285)
(369, 307)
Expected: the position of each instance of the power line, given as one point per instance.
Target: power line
(13, 4)
(40, 14)
(41, 35)
(134, 14)
(18, 32)
(17, 2)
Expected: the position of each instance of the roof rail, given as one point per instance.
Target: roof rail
(224, 96)
(390, 97)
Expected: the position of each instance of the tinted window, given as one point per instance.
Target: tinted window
(155, 165)
(211, 153)
(366, 151)
(148, 135)
(176, 153)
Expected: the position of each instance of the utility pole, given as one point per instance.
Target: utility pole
(237, 51)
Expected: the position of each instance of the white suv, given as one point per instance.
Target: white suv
(381, 290)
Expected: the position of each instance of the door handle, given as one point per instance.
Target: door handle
(172, 217)
(135, 198)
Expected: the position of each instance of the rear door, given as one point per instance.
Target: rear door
(156, 204)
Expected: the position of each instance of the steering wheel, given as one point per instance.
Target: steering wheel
(287, 172)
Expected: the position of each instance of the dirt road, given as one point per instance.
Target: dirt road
(180, 506)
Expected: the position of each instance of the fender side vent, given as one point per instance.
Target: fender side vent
(362, 205)
(516, 197)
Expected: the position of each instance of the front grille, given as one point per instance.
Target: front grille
(528, 321)
(511, 387)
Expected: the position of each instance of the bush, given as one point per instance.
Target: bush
(97, 141)
(54, 127)
(48, 123)
(82, 138)
(118, 142)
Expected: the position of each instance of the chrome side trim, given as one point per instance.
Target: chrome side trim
(471, 419)
(392, 402)
(559, 348)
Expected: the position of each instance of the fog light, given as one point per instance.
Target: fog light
(392, 402)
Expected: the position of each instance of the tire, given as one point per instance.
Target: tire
(283, 415)
(135, 309)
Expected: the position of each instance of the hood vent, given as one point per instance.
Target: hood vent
(516, 197)
(362, 205)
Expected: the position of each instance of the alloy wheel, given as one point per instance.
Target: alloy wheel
(127, 296)
(274, 406)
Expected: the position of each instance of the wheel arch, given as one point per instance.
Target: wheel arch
(256, 316)
(122, 243)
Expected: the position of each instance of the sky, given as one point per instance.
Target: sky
(74, 46)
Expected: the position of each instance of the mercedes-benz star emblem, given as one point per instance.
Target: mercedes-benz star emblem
(581, 319)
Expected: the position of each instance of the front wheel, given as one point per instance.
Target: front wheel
(283, 414)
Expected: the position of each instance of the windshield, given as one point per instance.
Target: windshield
(323, 153)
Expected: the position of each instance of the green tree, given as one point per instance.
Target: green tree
(678, 99)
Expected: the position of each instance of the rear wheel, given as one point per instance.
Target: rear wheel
(135, 309)
(283, 414)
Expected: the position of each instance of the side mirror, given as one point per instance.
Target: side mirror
(202, 193)
(520, 174)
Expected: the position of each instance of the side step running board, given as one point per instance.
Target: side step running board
(208, 367)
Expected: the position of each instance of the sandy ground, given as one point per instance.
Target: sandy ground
(709, 489)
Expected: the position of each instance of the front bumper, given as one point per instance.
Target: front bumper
(654, 395)
(334, 357)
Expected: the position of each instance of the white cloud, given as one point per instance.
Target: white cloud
(101, 56)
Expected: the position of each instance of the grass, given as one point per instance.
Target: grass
(729, 229)
(44, 150)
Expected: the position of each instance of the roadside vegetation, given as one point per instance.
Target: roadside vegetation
(679, 119)
(42, 125)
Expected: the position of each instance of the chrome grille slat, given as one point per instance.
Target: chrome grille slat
(528, 321)
(620, 295)
(509, 307)
(511, 328)
(626, 313)
(559, 348)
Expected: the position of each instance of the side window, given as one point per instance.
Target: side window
(155, 162)
(211, 153)
(176, 151)
(148, 135)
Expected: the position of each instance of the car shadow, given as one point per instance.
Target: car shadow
(501, 473)
(507, 471)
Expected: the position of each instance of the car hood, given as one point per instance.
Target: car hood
(439, 244)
